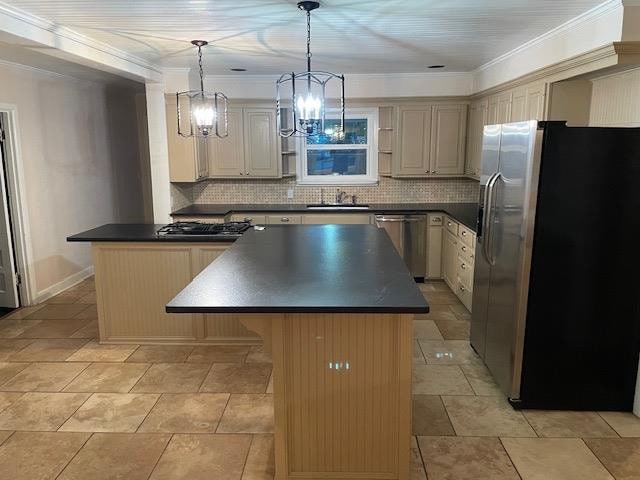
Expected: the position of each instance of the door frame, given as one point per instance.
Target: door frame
(16, 189)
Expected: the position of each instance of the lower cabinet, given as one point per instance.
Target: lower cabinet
(435, 228)
(458, 254)
(449, 256)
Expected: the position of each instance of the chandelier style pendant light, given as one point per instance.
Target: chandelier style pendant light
(202, 114)
(308, 91)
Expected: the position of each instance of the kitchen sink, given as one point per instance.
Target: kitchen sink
(337, 206)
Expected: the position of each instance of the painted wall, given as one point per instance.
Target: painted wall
(80, 156)
(615, 102)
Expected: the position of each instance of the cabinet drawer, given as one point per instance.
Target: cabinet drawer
(451, 226)
(467, 236)
(435, 220)
(466, 252)
(465, 295)
(254, 219)
(284, 219)
(465, 272)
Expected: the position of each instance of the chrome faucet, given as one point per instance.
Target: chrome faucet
(340, 196)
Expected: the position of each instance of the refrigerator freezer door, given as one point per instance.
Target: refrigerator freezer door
(482, 273)
(505, 247)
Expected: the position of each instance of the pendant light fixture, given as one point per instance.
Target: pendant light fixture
(308, 94)
(202, 114)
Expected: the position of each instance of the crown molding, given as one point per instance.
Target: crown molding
(61, 34)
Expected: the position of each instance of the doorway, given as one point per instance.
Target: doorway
(9, 277)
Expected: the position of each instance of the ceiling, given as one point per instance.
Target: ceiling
(351, 36)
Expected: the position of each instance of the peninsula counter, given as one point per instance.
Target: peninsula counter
(334, 304)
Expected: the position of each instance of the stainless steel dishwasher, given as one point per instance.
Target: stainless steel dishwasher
(409, 235)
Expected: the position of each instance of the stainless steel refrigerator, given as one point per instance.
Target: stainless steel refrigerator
(556, 310)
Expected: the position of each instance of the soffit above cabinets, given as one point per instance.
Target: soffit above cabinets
(267, 36)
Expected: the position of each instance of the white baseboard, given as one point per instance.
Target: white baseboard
(60, 287)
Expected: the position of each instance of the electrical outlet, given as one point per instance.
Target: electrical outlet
(290, 194)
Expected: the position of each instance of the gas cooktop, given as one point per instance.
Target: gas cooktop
(211, 229)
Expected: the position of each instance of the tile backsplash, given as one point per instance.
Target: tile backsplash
(388, 190)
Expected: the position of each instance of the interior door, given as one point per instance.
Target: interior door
(8, 283)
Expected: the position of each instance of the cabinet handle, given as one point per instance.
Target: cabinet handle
(464, 233)
(463, 266)
(462, 289)
(449, 223)
(284, 219)
(464, 249)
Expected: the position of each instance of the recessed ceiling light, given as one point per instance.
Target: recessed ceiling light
(238, 69)
(436, 66)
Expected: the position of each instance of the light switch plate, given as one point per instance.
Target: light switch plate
(290, 194)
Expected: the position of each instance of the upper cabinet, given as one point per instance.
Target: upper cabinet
(430, 140)
(187, 156)
(536, 96)
(260, 143)
(477, 121)
(226, 155)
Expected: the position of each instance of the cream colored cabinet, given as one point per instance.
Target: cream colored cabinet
(284, 219)
(226, 155)
(187, 155)
(252, 147)
(435, 232)
(504, 107)
(255, 219)
(414, 140)
(536, 95)
(477, 121)
(448, 133)
(519, 105)
(492, 110)
(449, 256)
(386, 129)
(260, 143)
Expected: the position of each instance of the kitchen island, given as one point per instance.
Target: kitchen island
(334, 304)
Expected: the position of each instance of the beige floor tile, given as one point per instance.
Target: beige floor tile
(456, 458)
(111, 412)
(218, 354)
(8, 370)
(429, 416)
(258, 355)
(260, 463)
(439, 380)
(449, 352)
(418, 357)
(52, 350)
(568, 424)
(160, 354)
(426, 330)
(203, 457)
(90, 330)
(485, 417)
(108, 377)
(237, 378)
(460, 311)
(248, 413)
(94, 352)
(37, 411)
(89, 313)
(88, 298)
(554, 459)
(54, 328)
(7, 398)
(24, 312)
(417, 465)
(186, 413)
(454, 329)
(620, 456)
(68, 296)
(4, 434)
(57, 312)
(172, 378)
(109, 456)
(14, 328)
(625, 423)
(481, 379)
(270, 386)
(437, 312)
(9, 347)
(44, 377)
(441, 298)
(38, 455)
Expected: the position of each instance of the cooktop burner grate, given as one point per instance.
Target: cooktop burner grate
(196, 228)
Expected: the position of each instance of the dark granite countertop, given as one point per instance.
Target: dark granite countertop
(305, 268)
(140, 232)
(465, 213)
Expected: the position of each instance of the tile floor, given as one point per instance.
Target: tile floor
(73, 409)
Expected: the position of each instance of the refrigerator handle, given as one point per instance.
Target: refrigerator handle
(487, 244)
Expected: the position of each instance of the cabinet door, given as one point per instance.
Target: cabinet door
(260, 142)
(519, 105)
(493, 108)
(449, 256)
(448, 130)
(434, 251)
(182, 150)
(202, 157)
(477, 121)
(414, 135)
(504, 107)
(536, 101)
(226, 155)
